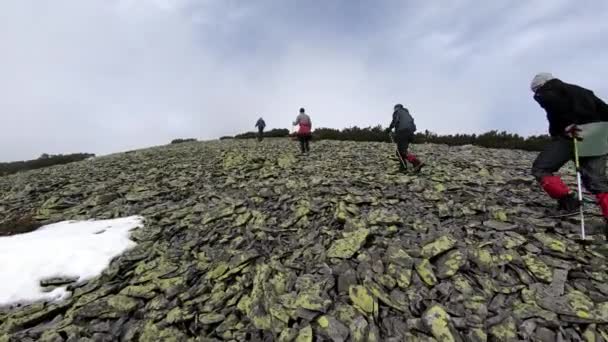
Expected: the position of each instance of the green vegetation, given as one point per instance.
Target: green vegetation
(181, 141)
(273, 133)
(44, 160)
(491, 139)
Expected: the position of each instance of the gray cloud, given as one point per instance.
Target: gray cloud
(105, 76)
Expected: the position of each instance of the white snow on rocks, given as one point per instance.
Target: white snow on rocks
(79, 249)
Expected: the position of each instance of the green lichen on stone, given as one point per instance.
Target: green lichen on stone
(538, 268)
(363, 300)
(305, 334)
(513, 240)
(400, 274)
(483, 258)
(383, 217)
(345, 248)
(122, 303)
(462, 284)
(437, 321)
(425, 271)
(288, 335)
(505, 331)
(152, 333)
(450, 263)
(550, 242)
(178, 315)
(145, 291)
(441, 245)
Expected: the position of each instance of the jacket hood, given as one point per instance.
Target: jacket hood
(539, 80)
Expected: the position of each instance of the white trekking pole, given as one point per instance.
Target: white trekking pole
(580, 189)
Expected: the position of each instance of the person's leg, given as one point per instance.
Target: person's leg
(302, 143)
(402, 146)
(308, 137)
(406, 138)
(555, 155)
(593, 175)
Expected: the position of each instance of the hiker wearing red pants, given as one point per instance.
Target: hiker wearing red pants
(404, 126)
(569, 106)
(305, 131)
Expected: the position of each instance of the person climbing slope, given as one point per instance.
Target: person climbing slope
(571, 111)
(260, 125)
(404, 126)
(304, 133)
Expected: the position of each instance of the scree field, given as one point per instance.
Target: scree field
(248, 241)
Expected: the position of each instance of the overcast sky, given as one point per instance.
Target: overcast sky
(104, 76)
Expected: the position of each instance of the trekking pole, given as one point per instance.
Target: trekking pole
(398, 154)
(580, 189)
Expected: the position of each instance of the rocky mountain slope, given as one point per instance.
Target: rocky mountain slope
(247, 241)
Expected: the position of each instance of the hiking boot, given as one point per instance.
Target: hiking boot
(419, 167)
(402, 167)
(568, 203)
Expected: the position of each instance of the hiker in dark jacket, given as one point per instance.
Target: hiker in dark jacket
(260, 125)
(304, 131)
(568, 105)
(404, 126)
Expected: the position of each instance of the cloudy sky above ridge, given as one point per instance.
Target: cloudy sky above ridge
(104, 76)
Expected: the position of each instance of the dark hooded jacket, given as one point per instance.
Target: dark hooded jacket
(568, 104)
(260, 124)
(402, 120)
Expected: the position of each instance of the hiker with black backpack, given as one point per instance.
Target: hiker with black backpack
(260, 125)
(304, 133)
(404, 126)
(578, 126)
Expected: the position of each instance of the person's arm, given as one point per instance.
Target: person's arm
(297, 122)
(394, 122)
(602, 108)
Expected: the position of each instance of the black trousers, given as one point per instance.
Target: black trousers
(260, 134)
(305, 142)
(403, 138)
(559, 152)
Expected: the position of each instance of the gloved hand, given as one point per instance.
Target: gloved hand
(573, 131)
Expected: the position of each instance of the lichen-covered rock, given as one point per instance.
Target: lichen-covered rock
(425, 271)
(538, 268)
(349, 245)
(363, 300)
(450, 263)
(505, 331)
(438, 246)
(437, 321)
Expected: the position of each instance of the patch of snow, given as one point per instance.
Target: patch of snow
(80, 249)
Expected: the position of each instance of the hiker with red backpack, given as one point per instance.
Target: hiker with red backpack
(404, 126)
(578, 128)
(304, 133)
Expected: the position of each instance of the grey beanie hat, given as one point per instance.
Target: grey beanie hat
(540, 79)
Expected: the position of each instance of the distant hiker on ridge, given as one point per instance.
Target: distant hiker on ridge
(567, 106)
(404, 126)
(304, 132)
(260, 125)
